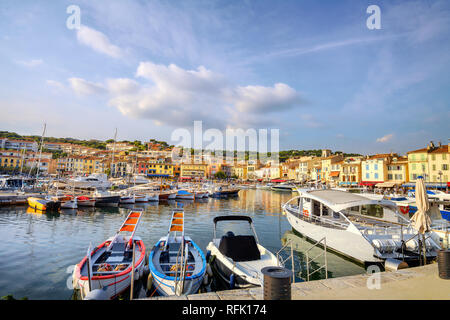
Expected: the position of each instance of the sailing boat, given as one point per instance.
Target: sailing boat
(177, 265)
(109, 266)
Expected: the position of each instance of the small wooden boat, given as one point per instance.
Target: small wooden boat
(185, 195)
(67, 201)
(84, 201)
(177, 265)
(128, 199)
(141, 198)
(109, 266)
(153, 197)
(43, 204)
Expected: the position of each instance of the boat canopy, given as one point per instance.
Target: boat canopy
(339, 200)
(229, 218)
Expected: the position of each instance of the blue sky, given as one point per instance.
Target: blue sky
(311, 69)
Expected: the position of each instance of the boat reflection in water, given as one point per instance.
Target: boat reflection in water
(337, 266)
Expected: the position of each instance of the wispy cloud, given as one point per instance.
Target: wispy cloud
(385, 138)
(98, 41)
(84, 88)
(30, 63)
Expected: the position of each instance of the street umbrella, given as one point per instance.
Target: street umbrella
(421, 218)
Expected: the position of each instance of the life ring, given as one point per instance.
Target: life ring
(305, 212)
(404, 209)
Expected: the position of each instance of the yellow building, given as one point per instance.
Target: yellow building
(418, 164)
(350, 172)
(10, 162)
(193, 170)
(439, 163)
(240, 171)
(397, 170)
(331, 168)
(160, 169)
(374, 169)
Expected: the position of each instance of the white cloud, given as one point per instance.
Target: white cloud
(171, 95)
(385, 138)
(84, 88)
(98, 41)
(259, 99)
(55, 84)
(30, 63)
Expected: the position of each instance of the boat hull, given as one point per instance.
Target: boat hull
(115, 283)
(110, 201)
(42, 204)
(165, 284)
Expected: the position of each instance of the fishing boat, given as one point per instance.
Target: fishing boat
(43, 204)
(153, 197)
(127, 199)
(141, 198)
(185, 195)
(66, 201)
(109, 266)
(365, 230)
(238, 259)
(84, 201)
(105, 198)
(177, 265)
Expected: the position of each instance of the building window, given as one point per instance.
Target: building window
(375, 166)
(413, 166)
(445, 167)
(376, 175)
(434, 167)
(389, 176)
(444, 156)
(433, 157)
(367, 176)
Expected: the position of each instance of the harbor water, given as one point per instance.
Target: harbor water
(39, 250)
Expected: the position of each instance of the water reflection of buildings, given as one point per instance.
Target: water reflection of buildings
(337, 266)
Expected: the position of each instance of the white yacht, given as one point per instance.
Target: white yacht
(366, 230)
(95, 180)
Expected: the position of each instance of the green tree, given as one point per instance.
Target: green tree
(220, 175)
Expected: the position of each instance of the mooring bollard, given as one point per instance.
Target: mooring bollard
(444, 264)
(277, 283)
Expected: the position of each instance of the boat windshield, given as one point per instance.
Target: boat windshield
(372, 210)
(236, 227)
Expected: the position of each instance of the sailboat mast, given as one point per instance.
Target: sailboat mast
(40, 151)
(114, 151)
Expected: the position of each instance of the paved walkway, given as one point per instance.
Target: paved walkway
(420, 283)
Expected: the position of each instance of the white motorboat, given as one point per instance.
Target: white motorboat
(368, 231)
(108, 267)
(127, 199)
(238, 259)
(284, 187)
(95, 180)
(177, 265)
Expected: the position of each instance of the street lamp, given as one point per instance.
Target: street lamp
(440, 177)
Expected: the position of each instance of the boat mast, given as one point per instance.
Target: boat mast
(114, 150)
(40, 153)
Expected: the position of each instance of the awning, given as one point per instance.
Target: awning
(368, 183)
(334, 174)
(153, 175)
(278, 180)
(388, 184)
